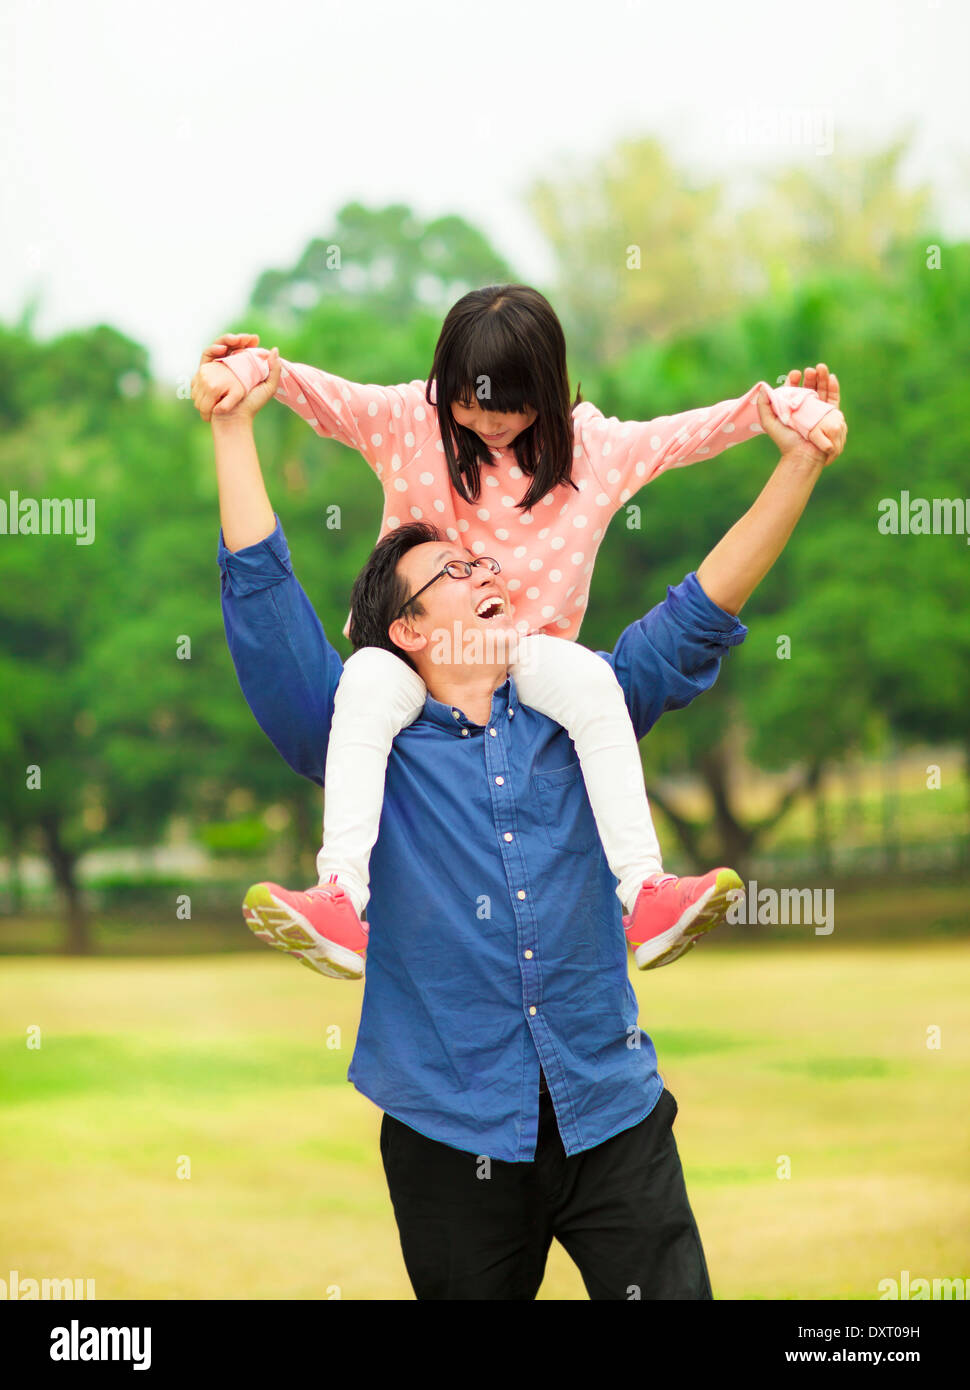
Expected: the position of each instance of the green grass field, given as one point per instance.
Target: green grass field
(813, 1049)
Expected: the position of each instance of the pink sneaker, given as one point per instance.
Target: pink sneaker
(319, 927)
(670, 913)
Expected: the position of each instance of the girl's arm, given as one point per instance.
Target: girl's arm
(386, 424)
(627, 454)
(679, 643)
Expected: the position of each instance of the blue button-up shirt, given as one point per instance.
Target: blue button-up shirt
(496, 936)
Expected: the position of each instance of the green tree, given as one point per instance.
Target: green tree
(117, 684)
(389, 259)
(642, 252)
(878, 630)
(647, 254)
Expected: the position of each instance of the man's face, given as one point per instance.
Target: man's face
(497, 428)
(477, 605)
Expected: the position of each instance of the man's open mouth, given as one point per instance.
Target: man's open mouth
(490, 608)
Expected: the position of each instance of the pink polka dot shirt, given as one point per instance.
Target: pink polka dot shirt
(547, 554)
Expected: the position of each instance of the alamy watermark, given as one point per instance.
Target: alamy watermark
(48, 516)
(906, 1288)
(468, 645)
(19, 1289)
(785, 126)
(76, 1343)
(771, 907)
(923, 516)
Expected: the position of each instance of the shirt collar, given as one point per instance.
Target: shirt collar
(505, 703)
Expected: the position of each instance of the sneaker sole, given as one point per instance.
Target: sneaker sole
(285, 929)
(701, 917)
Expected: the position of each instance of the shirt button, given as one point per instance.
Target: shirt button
(532, 1008)
(520, 893)
(511, 712)
(528, 955)
(508, 836)
(464, 733)
(456, 713)
(492, 732)
(500, 781)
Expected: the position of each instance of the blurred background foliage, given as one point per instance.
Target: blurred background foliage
(139, 746)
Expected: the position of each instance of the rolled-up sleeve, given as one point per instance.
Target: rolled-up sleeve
(673, 653)
(287, 669)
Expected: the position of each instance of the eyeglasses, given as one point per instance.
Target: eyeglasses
(455, 569)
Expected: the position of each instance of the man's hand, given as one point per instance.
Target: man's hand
(827, 439)
(216, 389)
(254, 400)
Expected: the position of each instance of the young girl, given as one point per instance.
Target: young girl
(493, 453)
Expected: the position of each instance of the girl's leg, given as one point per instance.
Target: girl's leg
(578, 689)
(378, 695)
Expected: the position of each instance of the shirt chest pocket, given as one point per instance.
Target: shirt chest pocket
(563, 809)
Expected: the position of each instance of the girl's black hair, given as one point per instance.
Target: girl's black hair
(504, 346)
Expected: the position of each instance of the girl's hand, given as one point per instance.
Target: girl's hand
(829, 434)
(229, 342)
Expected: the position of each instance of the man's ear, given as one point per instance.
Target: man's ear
(403, 635)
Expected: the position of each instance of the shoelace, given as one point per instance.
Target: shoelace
(324, 890)
(651, 887)
(333, 889)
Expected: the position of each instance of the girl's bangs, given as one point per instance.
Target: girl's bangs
(509, 383)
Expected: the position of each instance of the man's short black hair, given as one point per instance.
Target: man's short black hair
(379, 591)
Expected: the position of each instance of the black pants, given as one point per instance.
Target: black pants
(620, 1210)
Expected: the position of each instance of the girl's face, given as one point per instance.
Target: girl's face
(497, 428)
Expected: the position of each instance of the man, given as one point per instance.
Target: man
(498, 1027)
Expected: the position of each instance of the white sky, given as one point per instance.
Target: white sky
(155, 159)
